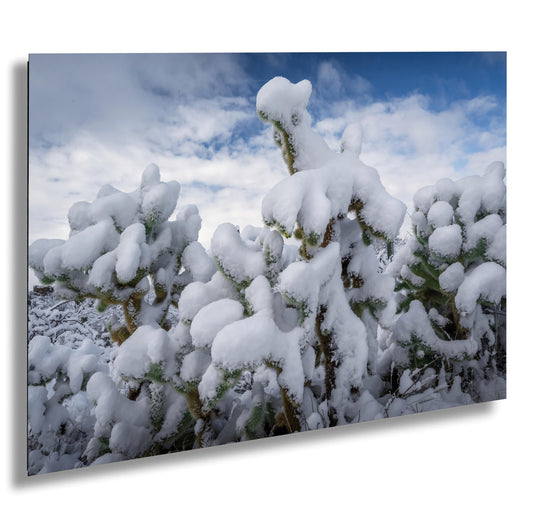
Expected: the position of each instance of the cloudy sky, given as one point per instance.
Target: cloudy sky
(101, 118)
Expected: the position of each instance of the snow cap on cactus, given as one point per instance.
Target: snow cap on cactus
(328, 184)
(119, 241)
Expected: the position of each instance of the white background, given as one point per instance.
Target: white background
(467, 460)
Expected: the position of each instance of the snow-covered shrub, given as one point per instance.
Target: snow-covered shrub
(59, 420)
(121, 246)
(451, 283)
(336, 206)
(123, 251)
(66, 322)
(137, 408)
(229, 339)
(297, 324)
(68, 342)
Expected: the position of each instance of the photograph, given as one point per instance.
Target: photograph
(225, 247)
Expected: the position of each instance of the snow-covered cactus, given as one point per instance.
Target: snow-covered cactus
(335, 205)
(152, 420)
(120, 247)
(122, 250)
(451, 283)
(59, 420)
(229, 331)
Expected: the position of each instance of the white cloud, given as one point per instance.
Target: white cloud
(122, 94)
(329, 78)
(224, 186)
(200, 121)
(359, 85)
(334, 81)
(481, 105)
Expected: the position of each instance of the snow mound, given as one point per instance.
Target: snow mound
(416, 323)
(328, 184)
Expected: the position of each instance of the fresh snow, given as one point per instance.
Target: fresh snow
(211, 318)
(486, 282)
(446, 241)
(327, 182)
(451, 278)
(416, 322)
(440, 214)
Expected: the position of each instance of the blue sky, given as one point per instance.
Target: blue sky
(101, 118)
(445, 76)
